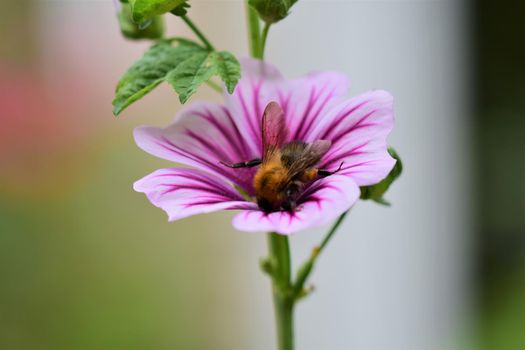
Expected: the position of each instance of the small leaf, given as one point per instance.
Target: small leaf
(191, 73)
(131, 30)
(143, 10)
(376, 192)
(150, 70)
(199, 68)
(228, 68)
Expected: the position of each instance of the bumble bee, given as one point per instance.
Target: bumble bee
(285, 168)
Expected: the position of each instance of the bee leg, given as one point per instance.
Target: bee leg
(264, 205)
(325, 173)
(248, 164)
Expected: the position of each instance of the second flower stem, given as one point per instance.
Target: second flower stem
(254, 31)
(263, 39)
(306, 268)
(197, 32)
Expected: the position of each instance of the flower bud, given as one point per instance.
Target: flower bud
(150, 29)
(272, 11)
(181, 10)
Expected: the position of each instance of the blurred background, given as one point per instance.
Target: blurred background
(87, 263)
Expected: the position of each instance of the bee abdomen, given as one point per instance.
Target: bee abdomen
(268, 183)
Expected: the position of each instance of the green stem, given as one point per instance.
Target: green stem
(254, 30)
(281, 286)
(307, 267)
(263, 39)
(197, 32)
(332, 231)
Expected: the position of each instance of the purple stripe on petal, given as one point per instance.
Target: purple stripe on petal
(186, 192)
(339, 155)
(358, 129)
(306, 112)
(219, 153)
(201, 136)
(256, 102)
(255, 131)
(225, 132)
(284, 99)
(345, 114)
(353, 127)
(317, 112)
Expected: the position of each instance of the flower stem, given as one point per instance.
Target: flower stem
(197, 32)
(307, 267)
(281, 286)
(263, 39)
(254, 30)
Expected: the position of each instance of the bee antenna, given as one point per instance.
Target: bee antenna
(340, 166)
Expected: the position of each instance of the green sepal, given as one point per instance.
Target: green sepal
(199, 68)
(376, 192)
(143, 10)
(267, 265)
(271, 11)
(181, 10)
(302, 275)
(132, 30)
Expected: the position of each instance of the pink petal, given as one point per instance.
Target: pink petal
(358, 129)
(325, 200)
(306, 101)
(303, 100)
(185, 192)
(202, 135)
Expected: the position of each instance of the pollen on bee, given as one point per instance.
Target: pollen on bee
(309, 175)
(268, 182)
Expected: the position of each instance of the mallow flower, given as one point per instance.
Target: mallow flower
(205, 136)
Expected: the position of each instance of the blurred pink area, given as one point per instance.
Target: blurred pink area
(55, 99)
(34, 120)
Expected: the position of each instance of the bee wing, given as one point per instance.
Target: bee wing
(310, 156)
(274, 130)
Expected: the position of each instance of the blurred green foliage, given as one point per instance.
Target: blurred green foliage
(96, 266)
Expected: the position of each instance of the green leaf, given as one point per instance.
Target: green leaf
(131, 30)
(199, 68)
(228, 69)
(150, 70)
(190, 74)
(272, 11)
(143, 10)
(376, 192)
